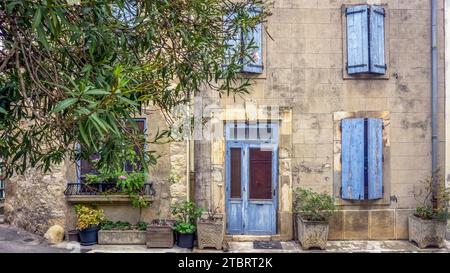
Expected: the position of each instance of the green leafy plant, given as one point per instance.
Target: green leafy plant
(119, 225)
(184, 228)
(79, 71)
(88, 216)
(424, 197)
(313, 206)
(123, 225)
(186, 214)
(141, 225)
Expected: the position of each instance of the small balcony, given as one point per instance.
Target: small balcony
(102, 192)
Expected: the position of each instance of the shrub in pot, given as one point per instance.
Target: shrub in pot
(186, 214)
(122, 233)
(89, 219)
(210, 230)
(427, 225)
(313, 211)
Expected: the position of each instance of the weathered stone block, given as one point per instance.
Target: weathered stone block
(336, 231)
(356, 225)
(382, 225)
(401, 223)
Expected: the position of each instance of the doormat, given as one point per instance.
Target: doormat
(267, 245)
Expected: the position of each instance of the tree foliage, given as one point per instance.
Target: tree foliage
(78, 71)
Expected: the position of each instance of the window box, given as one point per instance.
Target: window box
(102, 192)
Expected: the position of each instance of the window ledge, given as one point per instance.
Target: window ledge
(102, 198)
(380, 202)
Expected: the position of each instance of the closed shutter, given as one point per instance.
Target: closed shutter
(377, 59)
(375, 158)
(352, 153)
(232, 40)
(253, 63)
(357, 39)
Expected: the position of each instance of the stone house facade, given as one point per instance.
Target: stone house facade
(302, 93)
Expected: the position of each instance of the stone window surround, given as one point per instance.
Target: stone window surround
(345, 75)
(284, 120)
(337, 175)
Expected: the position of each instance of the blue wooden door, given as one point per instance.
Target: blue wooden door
(251, 188)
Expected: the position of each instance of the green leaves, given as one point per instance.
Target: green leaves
(64, 104)
(313, 206)
(92, 72)
(37, 18)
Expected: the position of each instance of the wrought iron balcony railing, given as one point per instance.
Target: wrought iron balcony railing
(102, 188)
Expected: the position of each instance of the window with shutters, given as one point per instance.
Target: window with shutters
(366, 53)
(362, 159)
(85, 167)
(238, 41)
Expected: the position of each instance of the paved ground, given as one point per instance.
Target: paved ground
(16, 240)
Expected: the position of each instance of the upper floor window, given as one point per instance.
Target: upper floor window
(362, 159)
(85, 167)
(365, 26)
(238, 42)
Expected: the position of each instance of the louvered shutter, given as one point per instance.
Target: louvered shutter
(375, 158)
(357, 39)
(232, 40)
(254, 63)
(352, 153)
(377, 59)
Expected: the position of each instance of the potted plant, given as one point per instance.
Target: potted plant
(122, 233)
(88, 223)
(210, 230)
(186, 214)
(313, 213)
(427, 225)
(160, 233)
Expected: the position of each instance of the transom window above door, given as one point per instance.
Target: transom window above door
(262, 132)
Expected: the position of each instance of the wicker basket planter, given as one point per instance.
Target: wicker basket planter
(160, 234)
(210, 233)
(426, 232)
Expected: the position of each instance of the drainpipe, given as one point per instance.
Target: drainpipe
(434, 137)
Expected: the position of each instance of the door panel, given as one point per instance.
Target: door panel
(260, 218)
(251, 189)
(235, 175)
(260, 183)
(234, 217)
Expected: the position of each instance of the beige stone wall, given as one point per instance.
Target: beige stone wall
(35, 201)
(303, 69)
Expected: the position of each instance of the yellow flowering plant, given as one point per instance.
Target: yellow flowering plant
(88, 216)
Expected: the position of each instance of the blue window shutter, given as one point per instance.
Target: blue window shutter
(254, 62)
(357, 39)
(375, 158)
(352, 152)
(377, 59)
(232, 40)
